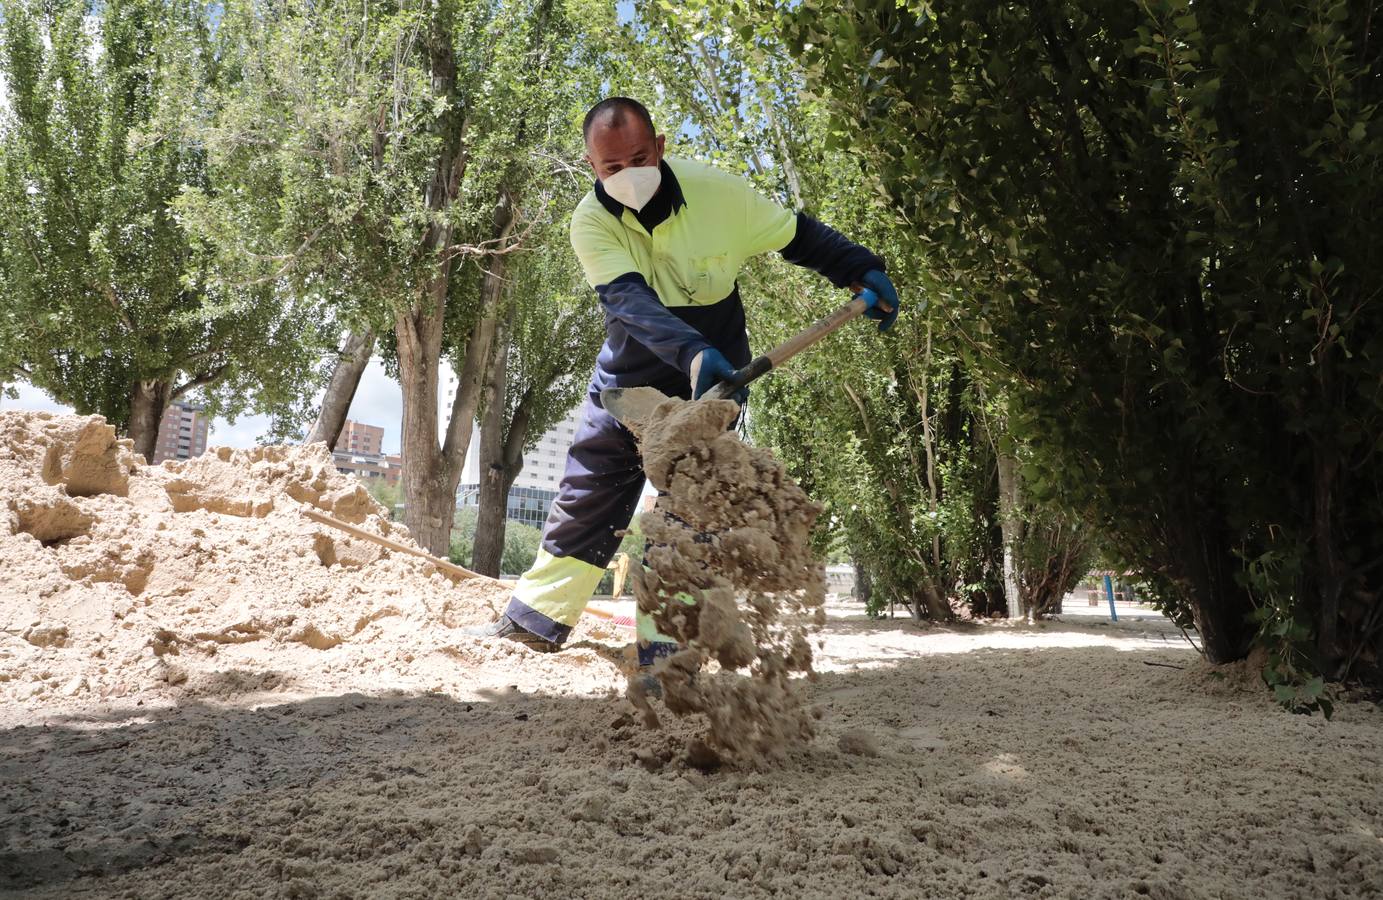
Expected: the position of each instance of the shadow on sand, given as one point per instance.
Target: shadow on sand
(1054, 772)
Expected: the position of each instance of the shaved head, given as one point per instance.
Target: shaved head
(616, 112)
(619, 134)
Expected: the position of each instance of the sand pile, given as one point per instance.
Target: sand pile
(120, 577)
(731, 533)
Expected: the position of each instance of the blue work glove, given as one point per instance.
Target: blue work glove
(879, 289)
(708, 369)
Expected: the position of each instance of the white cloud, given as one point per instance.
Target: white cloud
(378, 401)
(31, 397)
(246, 432)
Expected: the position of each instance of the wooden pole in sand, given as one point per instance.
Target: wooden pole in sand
(448, 567)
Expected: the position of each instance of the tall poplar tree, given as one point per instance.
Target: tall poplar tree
(392, 158)
(1156, 225)
(545, 349)
(108, 305)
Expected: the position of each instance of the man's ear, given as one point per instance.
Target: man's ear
(661, 141)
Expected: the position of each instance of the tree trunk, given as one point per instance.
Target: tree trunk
(927, 602)
(938, 610)
(1011, 526)
(148, 401)
(431, 473)
(1045, 585)
(345, 378)
(864, 586)
(929, 443)
(784, 154)
(1221, 621)
(1205, 570)
(500, 462)
(494, 487)
(1325, 467)
(426, 510)
(418, 325)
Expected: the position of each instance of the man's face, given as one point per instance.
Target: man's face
(610, 148)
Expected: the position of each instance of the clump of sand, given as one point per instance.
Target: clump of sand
(733, 577)
(120, 577)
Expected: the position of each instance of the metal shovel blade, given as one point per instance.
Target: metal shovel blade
(632, 406)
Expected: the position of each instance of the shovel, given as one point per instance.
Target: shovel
(633, 406)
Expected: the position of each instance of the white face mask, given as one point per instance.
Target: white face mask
(635, 186)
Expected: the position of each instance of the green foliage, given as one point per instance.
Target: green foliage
(390, 496)
(1292, 663)
(103, 289)
(521, 543)
(392, 160)
(1290, 668)
(837, 552)
(330, 126)
(556, 330)
(1152, 226)
(462, 543)
(1053, 555)
(885, 431)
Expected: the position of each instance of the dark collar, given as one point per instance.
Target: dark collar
(667, 201)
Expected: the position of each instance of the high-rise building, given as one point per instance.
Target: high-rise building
(361, 439)
(182, 433)
(536, 485)
(543, 465)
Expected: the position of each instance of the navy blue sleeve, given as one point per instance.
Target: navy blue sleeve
(823, 249)
(630, 301)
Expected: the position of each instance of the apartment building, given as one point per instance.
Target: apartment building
(182, 433)
(536, 486)
(360, 439)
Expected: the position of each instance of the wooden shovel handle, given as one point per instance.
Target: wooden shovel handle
(396, 546)
(786, 350)
(444, 565)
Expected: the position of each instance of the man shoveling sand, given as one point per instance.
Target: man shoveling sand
(661, 240)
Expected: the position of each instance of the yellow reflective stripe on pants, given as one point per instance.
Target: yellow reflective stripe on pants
(652, 644)
(552, 594)
(558, 588)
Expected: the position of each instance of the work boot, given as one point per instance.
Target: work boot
(649, 653)
(649, 684)
(505, 627)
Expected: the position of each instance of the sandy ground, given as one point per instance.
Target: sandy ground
(206, 693)
(1047, 761)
